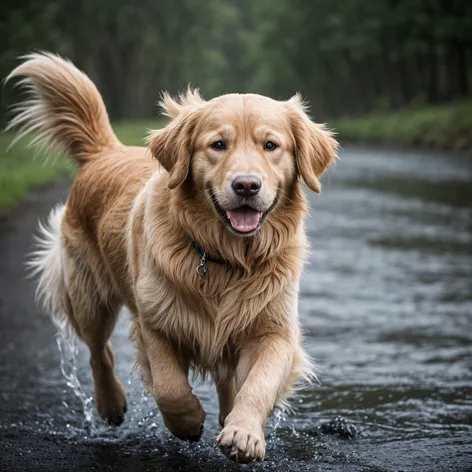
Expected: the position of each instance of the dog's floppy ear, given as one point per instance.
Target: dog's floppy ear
(315, 146)
(172, 145)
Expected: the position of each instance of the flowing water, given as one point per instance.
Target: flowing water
(386, 303)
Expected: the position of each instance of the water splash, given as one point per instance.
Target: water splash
(68, 349)
(141, 413)
(281, 418)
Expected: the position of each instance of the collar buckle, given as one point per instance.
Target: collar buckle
(201, 269)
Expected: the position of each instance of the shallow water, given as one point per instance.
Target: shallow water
(386, 302)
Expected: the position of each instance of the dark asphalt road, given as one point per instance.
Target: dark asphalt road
(387, 304)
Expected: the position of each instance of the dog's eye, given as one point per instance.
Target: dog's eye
(219, 145)
(270, 146)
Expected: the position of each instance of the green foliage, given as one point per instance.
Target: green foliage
(347, 57)
(131, 50)
(435, 126)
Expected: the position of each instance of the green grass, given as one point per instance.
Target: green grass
(133, 133)
(446, 126)
(21, 170)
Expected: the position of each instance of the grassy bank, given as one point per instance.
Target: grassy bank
(437, 127)
(20, 170)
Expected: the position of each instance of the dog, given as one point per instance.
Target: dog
(200, 235)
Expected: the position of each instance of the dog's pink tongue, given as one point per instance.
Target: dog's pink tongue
(244, 220)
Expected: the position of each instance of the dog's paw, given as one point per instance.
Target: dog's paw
(241, 445)
(112, 405)
(185, 421)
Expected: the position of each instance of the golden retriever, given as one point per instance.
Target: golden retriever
(200, 235)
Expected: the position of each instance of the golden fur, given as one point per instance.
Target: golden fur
(125, 237)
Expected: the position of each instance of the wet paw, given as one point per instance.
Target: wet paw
(341, 427)
(185, 421)
(112, 405)
(241, 445)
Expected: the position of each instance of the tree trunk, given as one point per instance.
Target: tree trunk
(433, 75)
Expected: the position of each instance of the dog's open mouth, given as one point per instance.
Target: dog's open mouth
(244, 220)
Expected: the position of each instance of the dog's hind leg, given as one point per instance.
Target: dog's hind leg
(67, 285)
(93, 320)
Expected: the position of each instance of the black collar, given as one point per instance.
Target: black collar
(204, 256)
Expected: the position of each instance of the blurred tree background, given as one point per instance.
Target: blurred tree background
(348, 57)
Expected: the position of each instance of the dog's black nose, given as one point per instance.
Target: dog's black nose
(246, 185)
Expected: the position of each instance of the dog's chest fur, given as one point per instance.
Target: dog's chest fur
(208, 315)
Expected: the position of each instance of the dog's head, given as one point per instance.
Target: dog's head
(242, 153)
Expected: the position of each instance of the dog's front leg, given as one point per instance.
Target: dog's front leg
(262, 373)
(181, 410)
(226, 388)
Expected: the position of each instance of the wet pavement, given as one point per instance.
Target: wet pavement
(386, 301)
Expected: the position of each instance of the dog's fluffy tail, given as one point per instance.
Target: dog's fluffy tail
(64, 108)
(45, 263)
